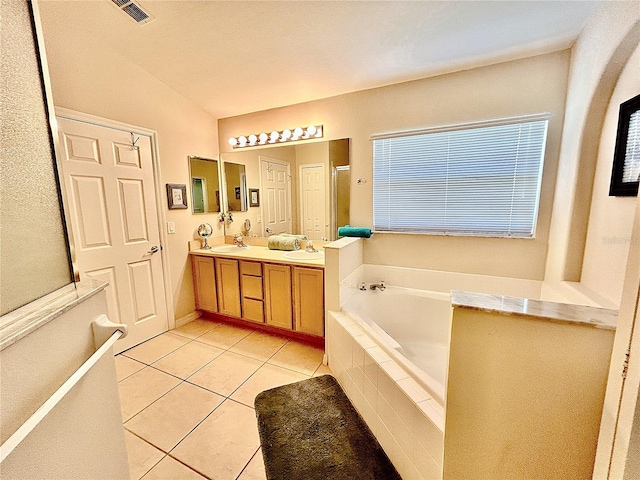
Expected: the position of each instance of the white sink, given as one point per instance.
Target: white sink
(229, 249)
(304, 255)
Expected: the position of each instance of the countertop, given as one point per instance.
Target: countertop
(32, 316)
(259, 253)
(597, 317)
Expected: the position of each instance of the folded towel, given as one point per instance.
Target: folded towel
(279, 242)
(348, 231)
(299, 237)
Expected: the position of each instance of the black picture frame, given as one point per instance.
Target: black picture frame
(619, 187)
(254, 197)
(176, 195)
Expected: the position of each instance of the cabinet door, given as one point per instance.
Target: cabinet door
(228, 281)
(308, 284)
(204, 283)
(277, 290)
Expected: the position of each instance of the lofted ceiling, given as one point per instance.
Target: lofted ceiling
(236, 57)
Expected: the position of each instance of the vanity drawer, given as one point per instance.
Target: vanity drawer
(251, 268)
(252, 310)
(252, 287)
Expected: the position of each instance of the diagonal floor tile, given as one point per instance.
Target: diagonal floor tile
(194, 329)
(225, 373)
(142, 456)
(142, 388)
(267, 376)
(151, 350)
(126, 366)
(224, 336)
(223, 444)
(170, 469)
(255, 469)
(188, 359)
(168, 420)
(299, 357)
(259, 345)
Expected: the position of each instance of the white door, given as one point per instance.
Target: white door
(276, 200)
(313, 194)
(109, 185)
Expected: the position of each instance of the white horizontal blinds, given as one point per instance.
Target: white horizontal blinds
(472, 181)
(631, 170)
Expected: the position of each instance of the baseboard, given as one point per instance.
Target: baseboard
(189, 317)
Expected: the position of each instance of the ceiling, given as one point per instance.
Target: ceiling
(236, 57)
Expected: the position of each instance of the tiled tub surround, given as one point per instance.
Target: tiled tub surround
(407, 422)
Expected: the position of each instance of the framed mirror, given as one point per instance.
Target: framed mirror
(301, 189)
(205, 185)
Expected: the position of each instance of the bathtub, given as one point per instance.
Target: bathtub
(412, 326)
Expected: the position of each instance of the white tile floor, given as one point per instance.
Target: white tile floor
(187, 399)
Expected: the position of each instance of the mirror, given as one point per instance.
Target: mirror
(301, 189)
(205, 185)
(235, 181)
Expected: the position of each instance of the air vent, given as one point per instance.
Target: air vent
(134, 11)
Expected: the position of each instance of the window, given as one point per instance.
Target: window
(466, 180)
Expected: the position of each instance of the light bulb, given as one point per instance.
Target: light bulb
(311, 129)
(233, 141)
(286, 134)
(319, 132)
(243, 140)
(263, 138)
(274, 136)
(297, 132)
(252, 139)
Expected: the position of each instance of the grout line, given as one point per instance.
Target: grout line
(250, 460)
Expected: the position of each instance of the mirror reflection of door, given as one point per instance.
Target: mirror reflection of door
(199, 189)
(276, 202)
(312, 201)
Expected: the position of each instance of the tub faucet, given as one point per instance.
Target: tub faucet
(239, 241)
(378, 286)
(363, 286)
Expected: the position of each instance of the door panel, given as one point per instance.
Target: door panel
(276, 211)
(312, 201)
(109, 184)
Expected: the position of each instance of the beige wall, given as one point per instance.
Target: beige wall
(610, 218)
(527, 86)
(89, 77)
(597, 58)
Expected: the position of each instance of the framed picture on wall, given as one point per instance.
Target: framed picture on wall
(254, 197)
(626, 157)
(176, 195)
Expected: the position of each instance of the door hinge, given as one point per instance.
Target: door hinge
(625, 365)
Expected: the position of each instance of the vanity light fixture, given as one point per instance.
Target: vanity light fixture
(298, 133)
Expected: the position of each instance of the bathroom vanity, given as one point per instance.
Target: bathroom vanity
(262, 287)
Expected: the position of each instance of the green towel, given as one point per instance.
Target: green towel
(348, 231)
(279, 242)
(299, 237)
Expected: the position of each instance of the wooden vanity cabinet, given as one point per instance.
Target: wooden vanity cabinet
(277, 288)
(204, 282)
(286, 296)
(308, 295)
(252, 294)
(228, 283)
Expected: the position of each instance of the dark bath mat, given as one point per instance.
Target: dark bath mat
(310, 431)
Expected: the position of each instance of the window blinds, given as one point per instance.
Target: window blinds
(473, 181)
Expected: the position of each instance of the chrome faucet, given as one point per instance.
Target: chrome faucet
(309, 248)
(378, 286)
(239, 241)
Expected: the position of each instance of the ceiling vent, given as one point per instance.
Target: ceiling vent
(134, 11)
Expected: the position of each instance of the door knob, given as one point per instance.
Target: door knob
(154, 249)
